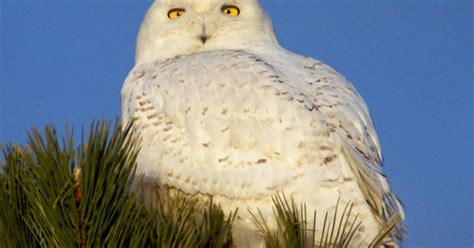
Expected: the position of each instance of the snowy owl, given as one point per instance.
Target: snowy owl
(223, 110)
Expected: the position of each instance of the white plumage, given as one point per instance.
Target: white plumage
(223, 110)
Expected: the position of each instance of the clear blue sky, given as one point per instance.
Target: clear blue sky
(64, 62)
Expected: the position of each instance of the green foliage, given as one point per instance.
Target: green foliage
(294, 230)
(183, 223)
(13, 202)
(54, 194)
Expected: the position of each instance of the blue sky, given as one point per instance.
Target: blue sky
(64, 62)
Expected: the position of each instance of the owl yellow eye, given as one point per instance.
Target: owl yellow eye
(175, 13)
(230, 10)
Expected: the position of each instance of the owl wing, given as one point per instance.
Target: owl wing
(346, 112)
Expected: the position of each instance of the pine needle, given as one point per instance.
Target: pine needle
(54, 194)
(292, 229)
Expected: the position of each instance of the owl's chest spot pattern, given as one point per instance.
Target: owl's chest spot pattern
(228, 128)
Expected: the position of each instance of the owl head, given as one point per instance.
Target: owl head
(178, 27)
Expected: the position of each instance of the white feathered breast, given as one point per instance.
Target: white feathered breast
(237, 125)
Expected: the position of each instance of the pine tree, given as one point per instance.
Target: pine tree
(54, 194)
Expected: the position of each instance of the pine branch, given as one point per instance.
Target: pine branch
(293, 228)
(13, 202)
(56, 195)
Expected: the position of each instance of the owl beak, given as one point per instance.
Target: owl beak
(203, 38)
